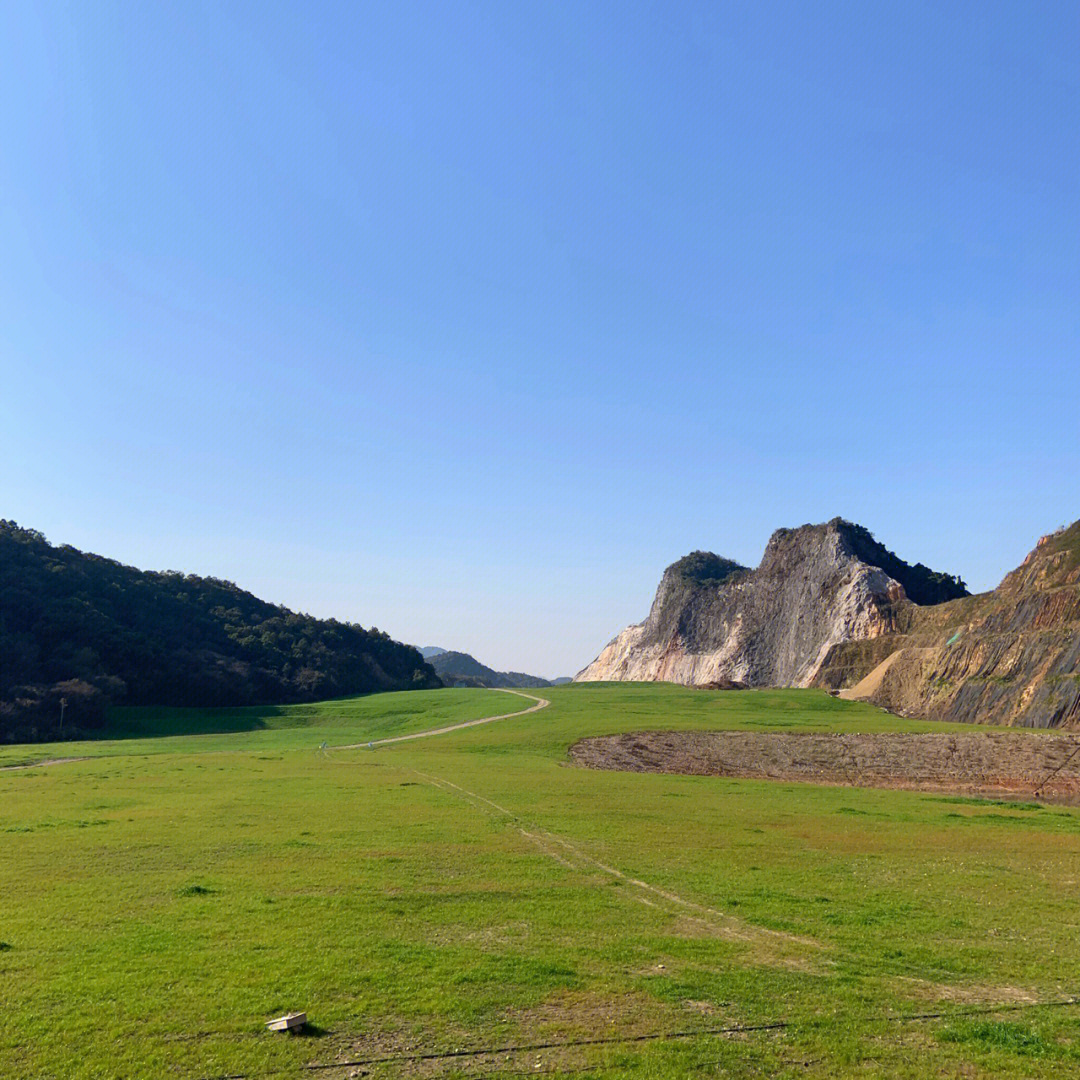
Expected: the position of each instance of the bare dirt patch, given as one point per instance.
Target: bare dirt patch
(554, 1035)
(41, 764)
(972, 994)
(1002, 764)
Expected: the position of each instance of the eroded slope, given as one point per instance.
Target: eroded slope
(774, 626)
(1010, 656)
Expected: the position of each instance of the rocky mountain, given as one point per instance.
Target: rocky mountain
(428, 651)
(817, 586)
(88, 632)
(461, 669)
(1009, 656)
(830, 607)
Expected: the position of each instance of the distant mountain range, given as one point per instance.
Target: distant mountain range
(79, 632)
(461, 669)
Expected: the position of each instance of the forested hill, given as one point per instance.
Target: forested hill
(461, 669)
(94, 632)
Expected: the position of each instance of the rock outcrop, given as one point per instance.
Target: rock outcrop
(1010, 656)
(818, 586)
(830, 607)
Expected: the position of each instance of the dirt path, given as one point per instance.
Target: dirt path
(769, 946)
(39, 764)
(870, 684)
(541, 703)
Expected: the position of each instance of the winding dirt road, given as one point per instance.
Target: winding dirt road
(541, 703)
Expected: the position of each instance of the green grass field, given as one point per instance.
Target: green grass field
(472, 903)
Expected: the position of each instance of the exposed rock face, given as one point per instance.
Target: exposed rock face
(830, 607)
(1010, 656)
(714, 620)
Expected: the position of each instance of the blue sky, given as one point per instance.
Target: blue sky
(465, 319)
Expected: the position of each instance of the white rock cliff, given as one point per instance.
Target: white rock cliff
(713, 620)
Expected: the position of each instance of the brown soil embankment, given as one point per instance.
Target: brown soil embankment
(1006, 764)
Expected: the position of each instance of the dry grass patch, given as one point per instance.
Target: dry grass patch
(970, 993)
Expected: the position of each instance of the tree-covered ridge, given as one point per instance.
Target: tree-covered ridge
(461, 669)
(92, 631)
(705, 567)
(922, 585)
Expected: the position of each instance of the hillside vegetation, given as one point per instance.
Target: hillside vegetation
(92, 632)
(921, 584)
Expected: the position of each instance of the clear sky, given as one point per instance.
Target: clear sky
(465, 319)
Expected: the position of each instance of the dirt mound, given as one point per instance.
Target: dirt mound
(871, 684)
(1007, 764)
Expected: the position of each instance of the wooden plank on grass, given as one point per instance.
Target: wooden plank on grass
(288, 1022)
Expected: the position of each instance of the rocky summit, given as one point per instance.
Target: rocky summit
(817, 586)
(831, 607)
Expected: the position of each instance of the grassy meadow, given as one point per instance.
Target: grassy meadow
(472, 903)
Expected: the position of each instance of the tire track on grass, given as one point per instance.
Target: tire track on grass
(562, 851)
